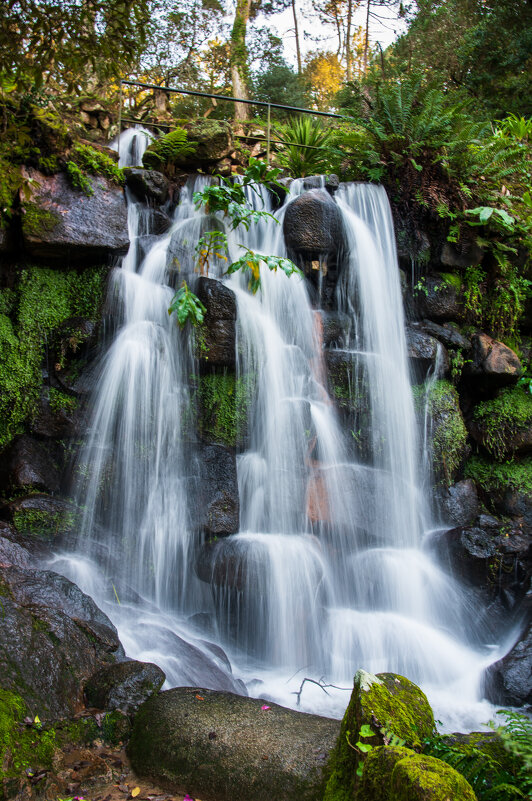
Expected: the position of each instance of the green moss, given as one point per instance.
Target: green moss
(452, 280)
(60, 401)
(38, 221)
(224, 402)
(172, 147)
(375, 784)
(449, 434)
(23, 747)
(10, 183)
(390, 705)
(419, 777)
(44, 300)
(495, 477)
(44, 525)
(503, 418)
(86, 159)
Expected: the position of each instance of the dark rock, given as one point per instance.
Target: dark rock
(517, 504)
(348, 385)
(447, 335)
(335, 327)
(147, 184)
(42, 517)
(28, 464)
(508, 682)
(495, 559)
(459, 503)
(6, 240)
(440, 300)
(12, 554)
(313, 225)
(493, 364)
(217, 492)
(58, 422)
(51, 640)
(329, 182)
(218, 332)
(222, 746)
(158, 222)
(60, 222)
(125, 685)
(461, 255)
(425, 354)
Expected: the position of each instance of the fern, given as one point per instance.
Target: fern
(169, 148)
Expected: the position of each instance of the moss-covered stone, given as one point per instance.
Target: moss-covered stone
(22, 746)
(449, 435)
(224, 401)
(32, 316)
(37, 220)
(503, 426)
(495, 478)
(424, 778)
(375, 784)
(390, 705)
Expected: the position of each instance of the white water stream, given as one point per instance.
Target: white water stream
(334, 573)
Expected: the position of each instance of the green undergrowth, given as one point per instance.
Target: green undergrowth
(85, 160)
(449, 434)
(44, 525)
(496, 477)
(29, 320)
(503, 418)
(23, 747)
(224, 403)
(168, 149)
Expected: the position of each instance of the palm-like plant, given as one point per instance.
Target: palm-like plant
(307, 147)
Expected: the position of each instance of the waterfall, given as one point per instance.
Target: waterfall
(329, 571)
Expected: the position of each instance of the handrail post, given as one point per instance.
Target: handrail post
(268, 137)
(119, 119)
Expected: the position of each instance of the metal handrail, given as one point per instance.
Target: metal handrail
(231, 99)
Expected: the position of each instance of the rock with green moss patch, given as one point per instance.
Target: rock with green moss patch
(503, 426)
(440, 299)
(450, 448)
(376, 780)
(220, 746)
(224, 401)
(60, 222)
(389, 705)
(28, 464)
(43, 517)
(424, 778)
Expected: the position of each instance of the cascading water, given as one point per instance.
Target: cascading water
(328, 572)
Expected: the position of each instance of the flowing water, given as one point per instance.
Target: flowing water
(331, 564)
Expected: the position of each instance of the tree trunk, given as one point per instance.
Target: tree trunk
(239, 58)
(298, 49)
(348, 61)
(366, 41)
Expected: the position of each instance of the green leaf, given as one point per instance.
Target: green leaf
(366, 731)
(364, 747)
(187, 306)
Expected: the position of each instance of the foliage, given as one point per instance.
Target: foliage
(211, 245)
(280, 84)
(504, 417)
(308, 148)
(187, 306)
(324, 73)
(250, 263)
(25, 746)
(224, 401)
(492, 776)
(168, 149)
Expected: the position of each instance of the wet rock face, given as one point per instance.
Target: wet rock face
(493, 558)
(439, 301)
(124, 686)
(61, 222)
(221, 746)
(459, 502)
(493, 364)
(218, 332)
(424, 353)
(52, 638)
(509, 681)
(217, 491)
(28, 463)
(313, 225)
(147, 184)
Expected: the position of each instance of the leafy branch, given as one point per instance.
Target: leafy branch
(187, 306)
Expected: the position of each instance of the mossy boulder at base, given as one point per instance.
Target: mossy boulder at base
(59, 221)
(375, 783)
(124, 685)
(503, 426)
(425, 778)
(388, 704)
(219, 746)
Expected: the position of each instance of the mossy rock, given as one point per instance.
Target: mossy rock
(425, 778)
(496, 479)
(375, 784)
(224, 401)
(22, 746)
(388, 704)
(503, 426)
(450, 448)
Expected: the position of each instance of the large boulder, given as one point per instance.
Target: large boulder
(147, 185)
(447, 334)
(217, 496)
(219, 746)
(217, 335)
(382, 704)
(459, 503)
(439, 299)
(124, 685)
(509, 681)
(426, 354)
(53, 638)
(493, 364)
(42, 517)
(62, 223)
(312, 225)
